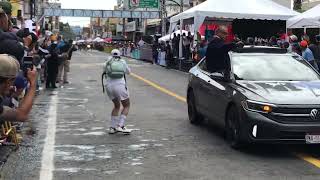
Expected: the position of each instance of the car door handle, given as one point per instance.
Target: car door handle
(197, 75)
(208, 81)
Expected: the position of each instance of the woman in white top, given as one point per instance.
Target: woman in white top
(118, 92)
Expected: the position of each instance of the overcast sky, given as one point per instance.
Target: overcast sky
(85, 4)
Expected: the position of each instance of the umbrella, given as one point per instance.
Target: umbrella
(108, 39)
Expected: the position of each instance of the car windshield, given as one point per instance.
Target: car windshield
(272, 67)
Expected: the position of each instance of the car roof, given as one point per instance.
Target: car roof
(260, 49)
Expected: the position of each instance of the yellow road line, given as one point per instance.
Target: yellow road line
(164, 90)
(305, 157)
(312, 160)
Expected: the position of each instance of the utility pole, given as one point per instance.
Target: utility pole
(32, 9)
(124, 19)
(163, 17)
(123, 26)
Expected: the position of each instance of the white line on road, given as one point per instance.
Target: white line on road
(47, 163)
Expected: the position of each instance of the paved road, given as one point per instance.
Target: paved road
(71, 141)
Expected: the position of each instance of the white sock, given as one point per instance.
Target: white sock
(114, 120)
(122, 120)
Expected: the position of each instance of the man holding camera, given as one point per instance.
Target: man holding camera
(9, 69)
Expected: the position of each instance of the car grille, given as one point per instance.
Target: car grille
(294, 115)
(291, 135)
(294, 110)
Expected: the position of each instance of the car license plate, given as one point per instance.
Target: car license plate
(312, 139)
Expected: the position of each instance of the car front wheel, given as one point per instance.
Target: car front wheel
(194, 116)
(233, 128)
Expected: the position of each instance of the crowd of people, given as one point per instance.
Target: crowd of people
(306, 47)
(26, 61)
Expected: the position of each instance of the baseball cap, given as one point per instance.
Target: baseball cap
(303, 43)
(9, 66)
(293, 37)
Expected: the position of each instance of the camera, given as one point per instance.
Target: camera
(27, 64)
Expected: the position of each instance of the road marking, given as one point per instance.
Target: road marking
(164, 90)
(309, 159)
(312, 160)
(47, 163)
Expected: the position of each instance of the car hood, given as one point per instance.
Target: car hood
(295, 92)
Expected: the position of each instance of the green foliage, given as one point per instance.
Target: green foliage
(297, 5)
(6, 6)
(66, 31)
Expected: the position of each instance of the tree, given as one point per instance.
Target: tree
(297, 5)
(66, 31)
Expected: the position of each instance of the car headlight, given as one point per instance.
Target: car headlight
(257, 106)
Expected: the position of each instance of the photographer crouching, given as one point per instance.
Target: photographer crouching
(9, 69)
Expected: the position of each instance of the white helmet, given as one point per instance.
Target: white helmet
(115, 53)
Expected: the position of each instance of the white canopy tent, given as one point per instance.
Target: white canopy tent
(308, 19)
(167, 37)
(98, 39)
(234, 9)
(81, 41)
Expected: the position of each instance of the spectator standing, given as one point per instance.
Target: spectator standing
(305, 37)
(10, 43)
(315, 48)
(307, 54)
(169, 55)
(175, 44)
(155, 52)
(186, 46)
(203, 49)
(52, 66)
(67, 50)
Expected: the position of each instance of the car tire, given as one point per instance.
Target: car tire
(194, 116)
(233, 132)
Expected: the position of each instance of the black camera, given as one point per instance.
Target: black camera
(27, 64)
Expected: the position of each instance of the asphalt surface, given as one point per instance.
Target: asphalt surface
(163, 145)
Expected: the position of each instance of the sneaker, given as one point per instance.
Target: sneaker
(112, 130)
(123, 130)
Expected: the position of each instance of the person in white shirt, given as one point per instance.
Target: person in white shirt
(117, 90)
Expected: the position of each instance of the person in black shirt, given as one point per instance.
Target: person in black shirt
(10, 43)
(315, 48)
(217, 57)
(52, 66)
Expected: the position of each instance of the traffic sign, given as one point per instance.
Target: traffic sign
(144, 4)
